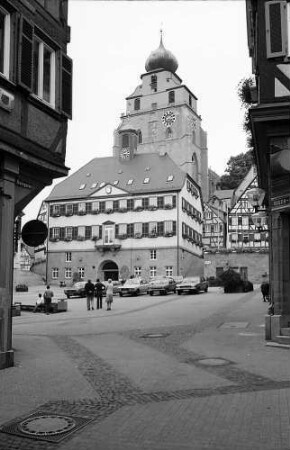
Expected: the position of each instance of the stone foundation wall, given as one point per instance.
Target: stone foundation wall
(257, 264)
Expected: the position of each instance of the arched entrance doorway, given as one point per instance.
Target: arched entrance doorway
(110, 270)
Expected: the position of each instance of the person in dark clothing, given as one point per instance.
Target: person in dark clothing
(89, 289)
(99, 288)
(265, 289)
(47, 296)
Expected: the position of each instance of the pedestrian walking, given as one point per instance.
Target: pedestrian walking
(89, 289)
(109, 295)
(99, 289)
(39, 303)
(265, 289)
(47, 296)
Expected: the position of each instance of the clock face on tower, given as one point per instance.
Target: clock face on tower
(125, 153)
(168, 118)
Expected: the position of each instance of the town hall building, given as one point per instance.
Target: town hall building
(139, 212)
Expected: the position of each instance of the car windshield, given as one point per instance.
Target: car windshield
(132, 281)
(191, 280)
(79, 285)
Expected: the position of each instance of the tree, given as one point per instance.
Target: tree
(237, 168)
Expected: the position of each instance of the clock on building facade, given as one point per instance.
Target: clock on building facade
(125, 153)
(168, 118)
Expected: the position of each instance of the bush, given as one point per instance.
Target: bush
(247, 286)
(232, 281)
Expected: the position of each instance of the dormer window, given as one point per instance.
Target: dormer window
(146, 180)
(116, 182)
(102, 184)
(171, 97)
(82, 186)
(125, 140)
(94, 185)
(137, 104)
(154, 83)
(170, 178)
(130, 181)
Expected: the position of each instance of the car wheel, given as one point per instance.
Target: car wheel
(120, 294)
(151, 293)
(68, 296)
(178, 292)
(205, 290)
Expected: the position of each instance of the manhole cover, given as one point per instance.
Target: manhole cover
(45, 426)
(234, 325)
(213, 362)
(154, 335)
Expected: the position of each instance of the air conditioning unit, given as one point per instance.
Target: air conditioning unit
(6, 100)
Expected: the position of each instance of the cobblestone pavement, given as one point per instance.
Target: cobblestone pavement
(123, 415)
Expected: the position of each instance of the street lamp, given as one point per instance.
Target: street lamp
(260, 217)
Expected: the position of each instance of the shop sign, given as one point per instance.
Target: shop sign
(207, 262)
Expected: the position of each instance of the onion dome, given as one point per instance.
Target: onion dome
(161, 59)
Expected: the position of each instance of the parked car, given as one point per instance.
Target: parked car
(21, 288)
(77, 290)
(163, 285)
(134, 286)
(192, 285)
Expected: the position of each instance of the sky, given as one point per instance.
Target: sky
(110, 42)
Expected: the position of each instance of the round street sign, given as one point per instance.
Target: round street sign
(34, 233)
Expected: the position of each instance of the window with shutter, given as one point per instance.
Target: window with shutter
(122, 228)
(168, 227)
(88, 232)
(95, 232)
(138, 228)
(153, 228)
(95, 207)
(4, 42)
(68, 233)
(81, 232)
(276, 28)
(66, 85)
(43, 83)
(153, 202)
(82, 208)
(25, 69)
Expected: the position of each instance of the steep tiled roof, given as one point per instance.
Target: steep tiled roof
(107, 170)
(223, 193)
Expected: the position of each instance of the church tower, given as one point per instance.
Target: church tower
(161, 117)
